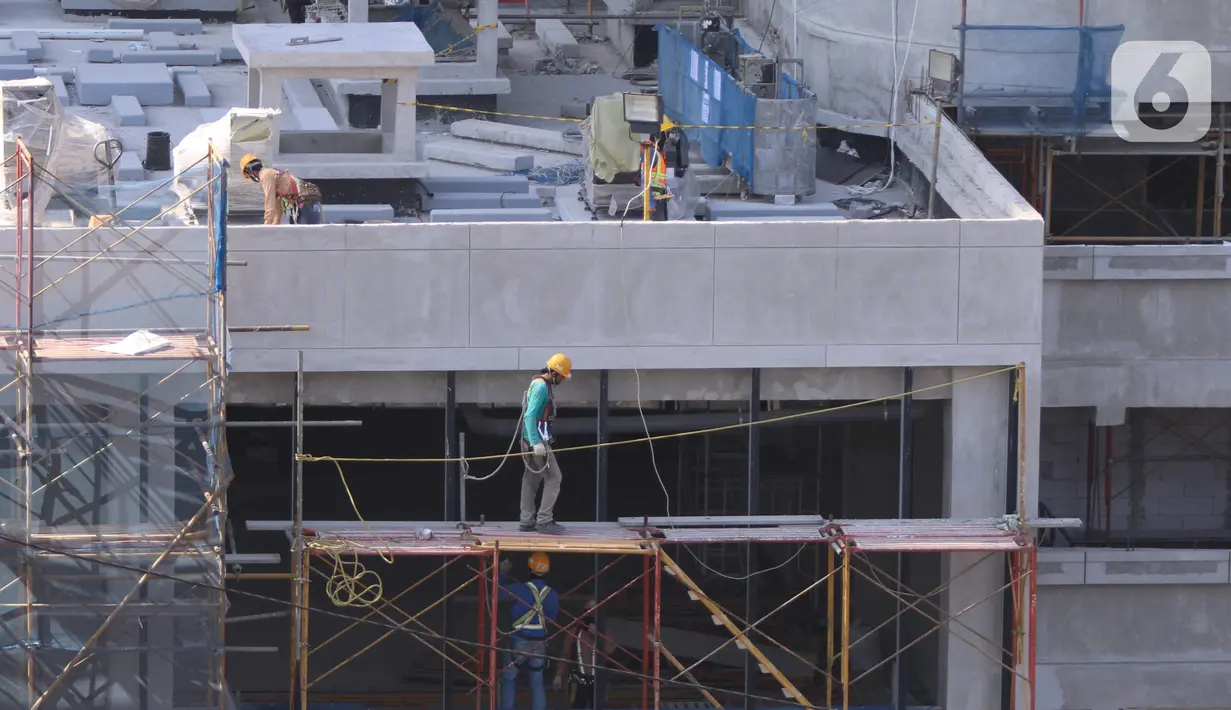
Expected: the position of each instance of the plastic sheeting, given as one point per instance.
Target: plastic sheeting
(240, 131)
(62, 145)
(605, 131)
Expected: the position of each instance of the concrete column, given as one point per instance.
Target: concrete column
(357, 10)
(272, 97)
(397, 114)
(976, 475)
(254, 88)
(486, 41)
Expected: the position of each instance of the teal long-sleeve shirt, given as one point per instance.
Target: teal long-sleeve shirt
(537, 399)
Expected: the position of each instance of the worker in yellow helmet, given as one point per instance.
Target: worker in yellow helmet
(535, 605)
(284, 193)
(536, 441)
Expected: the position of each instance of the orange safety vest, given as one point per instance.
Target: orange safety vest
(658, 173)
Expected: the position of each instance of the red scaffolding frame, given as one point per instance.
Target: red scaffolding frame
(341, 545)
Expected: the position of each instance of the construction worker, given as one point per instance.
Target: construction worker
(284, 193)
(656, 149)
(535, 605)
(581, 660)
(536, 441)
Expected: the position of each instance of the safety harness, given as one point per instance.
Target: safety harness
(301, 193)
(533, 620)
(543, 423)
(584, 673)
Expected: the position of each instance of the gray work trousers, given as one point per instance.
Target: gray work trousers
(544, 472)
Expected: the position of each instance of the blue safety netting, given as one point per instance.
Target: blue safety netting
(437, 28)
(1039, 80)
(697, 91)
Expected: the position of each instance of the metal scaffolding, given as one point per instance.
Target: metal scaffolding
(115, 471)
(329, 546)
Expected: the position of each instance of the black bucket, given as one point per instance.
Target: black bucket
(158, 150)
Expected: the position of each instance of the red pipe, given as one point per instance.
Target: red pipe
(482, 618)
(645, 634)
(1034, 625)
(491, 672)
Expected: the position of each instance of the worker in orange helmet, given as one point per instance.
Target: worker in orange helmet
(535, 605)
(536, 441)
(284, 193)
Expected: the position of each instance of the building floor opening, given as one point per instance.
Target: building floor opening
(839, 465)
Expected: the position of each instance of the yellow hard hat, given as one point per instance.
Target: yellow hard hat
(539, 563)
(560, 364)
(247, 161)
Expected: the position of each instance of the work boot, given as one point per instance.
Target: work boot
(552, 528)
(526, 527)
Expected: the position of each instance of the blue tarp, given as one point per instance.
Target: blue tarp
(697, 91)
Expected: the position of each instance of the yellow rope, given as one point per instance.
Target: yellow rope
(348, 583)
(478, 28)
(674, 435)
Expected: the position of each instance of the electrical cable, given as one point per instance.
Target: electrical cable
(899, 73)
(420, 635)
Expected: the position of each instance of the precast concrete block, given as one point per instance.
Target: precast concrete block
(481, 155)
(101, 55)
(128, 111)
(229, 53)
(556, 39)
(178, 26)
(163, 41)
(756, 210)
(150, 83)
(480, 200)
(27, 41)
(14, 72)
(57, 84)
(172, 57)
(11, 55)
(342, 214)
(530, 214)
(194, 89)
(479, 183)
(129, 167)
(508, 134)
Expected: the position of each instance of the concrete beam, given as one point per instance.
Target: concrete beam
(27, 41)
(173, 57)
(193, 88)
(509, 134)
(306, 105)
(183, 26)
(483, 155)
(556, 39)
(539, 214)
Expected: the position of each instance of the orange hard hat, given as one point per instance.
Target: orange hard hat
(539, 563)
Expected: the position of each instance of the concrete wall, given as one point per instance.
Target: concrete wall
(1139, 326)
(499, 297)
(1140, 629)
(848, 55)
